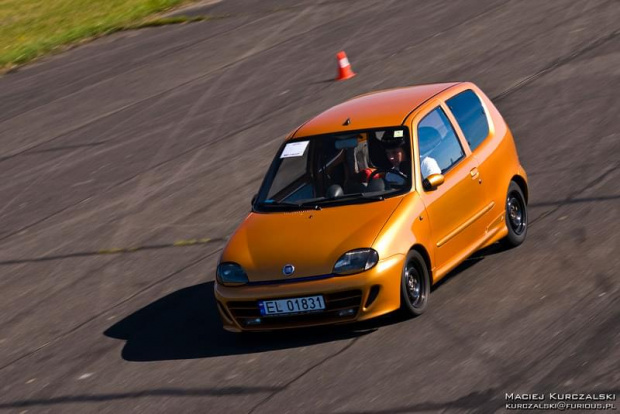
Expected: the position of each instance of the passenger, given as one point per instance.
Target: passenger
(429, 139)
(357, 169)
(429, 166)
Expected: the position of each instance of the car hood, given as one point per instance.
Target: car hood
(309, 240)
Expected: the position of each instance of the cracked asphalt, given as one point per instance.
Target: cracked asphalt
(150, 141)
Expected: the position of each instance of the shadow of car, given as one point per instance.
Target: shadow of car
(183, 325)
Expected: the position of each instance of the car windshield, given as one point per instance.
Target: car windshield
(339, 168)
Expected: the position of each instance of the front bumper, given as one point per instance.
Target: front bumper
(363, 295)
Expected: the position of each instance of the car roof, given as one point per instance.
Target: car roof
(373, 110)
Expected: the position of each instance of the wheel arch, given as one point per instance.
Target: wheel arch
(522, 185)
(427, 258)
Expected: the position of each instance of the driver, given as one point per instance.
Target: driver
(397, 156)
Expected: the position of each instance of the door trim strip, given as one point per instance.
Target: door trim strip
(463, 226)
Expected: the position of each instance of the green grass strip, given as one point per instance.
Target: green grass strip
(32, 28)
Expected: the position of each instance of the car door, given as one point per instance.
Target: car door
(471, 118)
(454, 207)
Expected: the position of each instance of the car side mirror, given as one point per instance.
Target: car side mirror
(433, 181)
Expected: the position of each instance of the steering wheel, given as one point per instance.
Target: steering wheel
(385, 171)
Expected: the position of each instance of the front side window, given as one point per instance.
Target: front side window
(469, 113)
(339, 168)
(438, 144)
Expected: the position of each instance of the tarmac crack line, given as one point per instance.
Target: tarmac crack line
(114, 250)
(546, 70)
(117, 304)
(157, 392)
(304, 373)
(128, 179)
(470, 20)
(251, 124)
(573, 195)
(165, 52)
(561, 61)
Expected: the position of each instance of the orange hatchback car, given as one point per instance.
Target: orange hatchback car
(368, 204)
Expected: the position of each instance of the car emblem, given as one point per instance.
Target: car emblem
(288, 269)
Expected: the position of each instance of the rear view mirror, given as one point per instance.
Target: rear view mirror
(432, 181)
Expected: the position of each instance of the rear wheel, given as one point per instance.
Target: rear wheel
(415, 285)
(516, 216)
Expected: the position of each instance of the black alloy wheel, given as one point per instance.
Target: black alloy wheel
(415, 285)
(516, 216)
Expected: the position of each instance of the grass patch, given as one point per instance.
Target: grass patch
(31, 28)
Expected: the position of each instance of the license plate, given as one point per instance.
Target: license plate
(292, 305)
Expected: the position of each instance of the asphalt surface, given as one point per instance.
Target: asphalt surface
(147, 138)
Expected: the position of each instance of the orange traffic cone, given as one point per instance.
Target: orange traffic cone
(344, 67)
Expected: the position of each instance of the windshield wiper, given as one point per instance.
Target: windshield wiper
(354, 196)
(298, 206)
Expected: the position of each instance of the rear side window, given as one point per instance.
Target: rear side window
(470, 115)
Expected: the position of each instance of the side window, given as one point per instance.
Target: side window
(470, 115)
(439, 146)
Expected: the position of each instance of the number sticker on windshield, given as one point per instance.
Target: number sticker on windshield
(294, 149)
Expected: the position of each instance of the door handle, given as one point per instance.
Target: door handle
(474, 173)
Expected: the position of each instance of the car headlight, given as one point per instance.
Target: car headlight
(231, 274)
(356, 261)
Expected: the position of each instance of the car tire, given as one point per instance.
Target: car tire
(516, 216)
(415, 287)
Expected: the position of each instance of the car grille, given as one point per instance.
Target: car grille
(244, 311)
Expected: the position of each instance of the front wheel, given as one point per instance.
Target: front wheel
(516, 216)
(415, 285)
